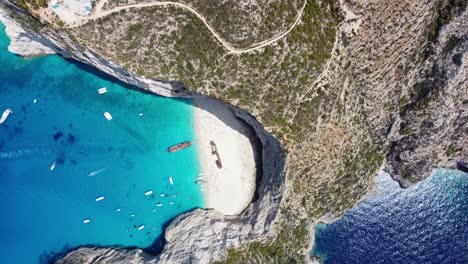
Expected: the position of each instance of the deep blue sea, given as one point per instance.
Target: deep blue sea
(424, 224)
(42, 210)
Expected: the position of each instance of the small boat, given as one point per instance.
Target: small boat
(163, 195)
(86, 220)
(5, 115)
(35, 100)
(100, 198)
(200, 174)
(199, 182)
(102, 90)
(179, 146)
(159, 204)
(154, 209)
(170, 180)
(171, 203)
(140, 114)
(174, 196)
(148, 193)
(107, 116)
(91, 174)
(118, 210)
(141, 227)
(52, 167)
(200, 178)
(132, 215)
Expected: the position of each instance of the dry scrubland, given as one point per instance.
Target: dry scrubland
(246, 22)
(333, 91)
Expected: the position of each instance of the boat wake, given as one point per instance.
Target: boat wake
(96, 172)
(13, 154)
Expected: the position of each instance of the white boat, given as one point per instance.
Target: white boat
(5, 115)
(163, 195)
(140, 114)
(170, 180)
(35, 101)
(154, 209)
(86, 220)
(102, 90)
(199, 182)
(132, 215)
(148, 193)
(100, 198)
(159, 204)
(200, 178)
(171, 203)
(118, 210)
(107, 116)
(52, 167)
(91, 174)
(141, 227)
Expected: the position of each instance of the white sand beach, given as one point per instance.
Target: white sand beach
(229, 189)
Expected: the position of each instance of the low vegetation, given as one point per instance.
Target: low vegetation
(292, 238)
(242, 23)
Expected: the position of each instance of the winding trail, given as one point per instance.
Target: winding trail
(231, 49)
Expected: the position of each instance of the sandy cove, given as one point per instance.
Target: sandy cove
(229, 189)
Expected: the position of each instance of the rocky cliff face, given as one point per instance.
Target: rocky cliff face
(408, 60)
(432, 122)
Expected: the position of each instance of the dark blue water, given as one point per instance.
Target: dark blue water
(427, 223)
(42, 211)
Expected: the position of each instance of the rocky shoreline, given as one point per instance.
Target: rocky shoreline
(199, 236)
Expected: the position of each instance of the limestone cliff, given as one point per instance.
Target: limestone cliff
(391, 90)
(431, 128)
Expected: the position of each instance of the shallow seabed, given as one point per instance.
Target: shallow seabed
(426, 223)
(58, 116)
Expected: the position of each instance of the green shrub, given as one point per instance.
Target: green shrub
(42, 3)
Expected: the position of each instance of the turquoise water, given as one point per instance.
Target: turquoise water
(42, 211)
(424, 224)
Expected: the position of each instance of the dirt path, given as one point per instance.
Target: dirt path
(102, 13)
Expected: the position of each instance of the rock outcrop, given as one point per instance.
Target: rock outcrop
(432, 123)
(107, 255)
(22, 42)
